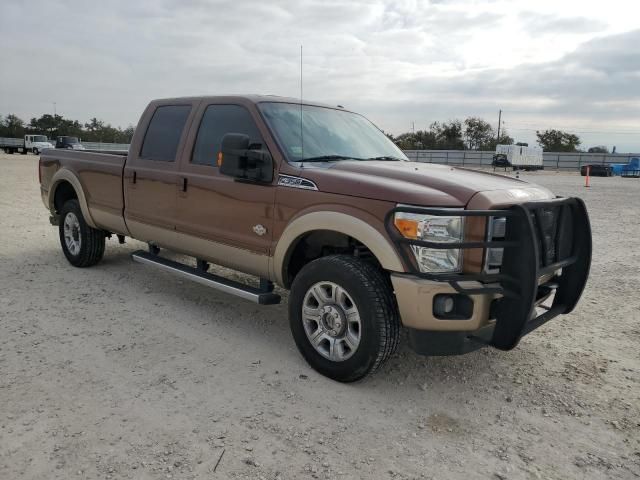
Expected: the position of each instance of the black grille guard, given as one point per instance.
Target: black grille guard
(531, 253)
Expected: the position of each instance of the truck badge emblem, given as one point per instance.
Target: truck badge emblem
(296, 182)
(259, 230)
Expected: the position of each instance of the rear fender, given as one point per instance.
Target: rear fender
(65, 175)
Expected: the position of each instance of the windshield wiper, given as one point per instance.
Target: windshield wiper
(385, 157)
(327, 158)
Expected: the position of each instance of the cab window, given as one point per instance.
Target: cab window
(217, 121)
(164, 133)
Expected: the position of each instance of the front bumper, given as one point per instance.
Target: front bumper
(547, 250)
(415, 301)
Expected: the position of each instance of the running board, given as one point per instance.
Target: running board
(238, 289)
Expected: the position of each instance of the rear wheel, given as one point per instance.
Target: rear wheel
(343, 317)
(82, 245)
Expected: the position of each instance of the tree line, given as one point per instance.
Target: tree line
(477, 134)
(56, 125)
(473, 133)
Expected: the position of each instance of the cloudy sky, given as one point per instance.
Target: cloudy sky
(573, 65)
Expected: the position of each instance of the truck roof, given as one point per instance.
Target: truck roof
(253, 98)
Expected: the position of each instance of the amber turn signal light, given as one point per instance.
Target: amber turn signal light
(219, 161)
(408, 228)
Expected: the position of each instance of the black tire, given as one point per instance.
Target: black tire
(36, 152)
(91, 241)
(373, 297)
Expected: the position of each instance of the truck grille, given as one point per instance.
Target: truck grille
(495, 232)
(546, 223)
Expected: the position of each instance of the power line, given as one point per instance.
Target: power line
(600, 132)
(578, 127)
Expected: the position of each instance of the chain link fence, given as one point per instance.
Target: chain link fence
(551, 160)
(463, 158)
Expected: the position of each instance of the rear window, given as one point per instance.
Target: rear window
(164, 132)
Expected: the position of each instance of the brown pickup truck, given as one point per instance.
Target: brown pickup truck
(317, 200)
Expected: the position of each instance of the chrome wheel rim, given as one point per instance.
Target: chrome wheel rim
(71, 229)
(331, 321)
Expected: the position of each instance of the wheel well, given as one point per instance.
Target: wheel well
(64, 193)
(320, 243)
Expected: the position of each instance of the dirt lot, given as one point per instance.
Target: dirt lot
(119, 371)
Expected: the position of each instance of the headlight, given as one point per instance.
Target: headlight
(432, 228)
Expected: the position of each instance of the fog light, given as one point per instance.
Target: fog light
(455, 306)
(443, 304)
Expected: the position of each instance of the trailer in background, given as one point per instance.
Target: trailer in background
(520, 157)
(631, 169)
(30, 143)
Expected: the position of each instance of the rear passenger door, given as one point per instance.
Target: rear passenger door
(151, 172)
(215, 207)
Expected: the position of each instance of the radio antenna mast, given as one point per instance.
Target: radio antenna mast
(301, 129)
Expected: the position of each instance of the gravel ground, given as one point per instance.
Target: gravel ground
(119, 371)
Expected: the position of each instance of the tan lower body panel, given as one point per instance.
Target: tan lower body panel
(112, 222)
(415, 301)
(217, 253)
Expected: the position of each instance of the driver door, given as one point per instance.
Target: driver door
(216, 208)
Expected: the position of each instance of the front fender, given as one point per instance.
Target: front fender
(343, 223)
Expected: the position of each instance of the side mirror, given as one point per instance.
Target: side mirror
(240, 161)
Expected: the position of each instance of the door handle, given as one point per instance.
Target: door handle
(184, 184)
(135, 176)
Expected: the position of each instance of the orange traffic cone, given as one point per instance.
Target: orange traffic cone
(586, 180)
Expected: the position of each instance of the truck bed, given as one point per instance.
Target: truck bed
(100, 176)
(11, 142)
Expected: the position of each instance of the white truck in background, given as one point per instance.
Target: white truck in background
(519, 157)
(30, 143)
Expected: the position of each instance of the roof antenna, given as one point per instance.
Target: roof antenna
(301, 131)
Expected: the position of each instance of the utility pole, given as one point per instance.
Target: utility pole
(499, 122)
(413, 127)
(55, 114)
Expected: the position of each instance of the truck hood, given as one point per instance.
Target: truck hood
(417, 183)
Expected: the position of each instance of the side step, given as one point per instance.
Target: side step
(262, 297)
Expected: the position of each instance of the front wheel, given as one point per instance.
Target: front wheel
(343, 317)
(36, 151)
(82, 245)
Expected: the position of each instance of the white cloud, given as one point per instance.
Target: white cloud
(546, 63)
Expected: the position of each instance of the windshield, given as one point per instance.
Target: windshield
(327, 134)
(39, 138)
(70, 140)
